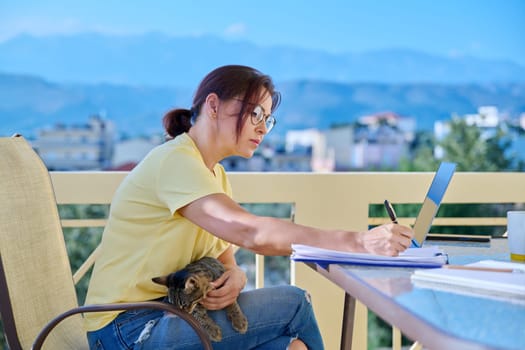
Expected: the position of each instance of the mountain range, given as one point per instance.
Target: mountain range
(28, 103)
(156, 59)
(135, 80)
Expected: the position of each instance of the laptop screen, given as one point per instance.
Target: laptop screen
(432, 200)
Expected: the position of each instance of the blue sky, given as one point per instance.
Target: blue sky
(492, 29)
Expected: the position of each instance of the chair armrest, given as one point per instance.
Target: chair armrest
(39, 341)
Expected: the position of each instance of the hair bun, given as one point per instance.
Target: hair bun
(177, 121)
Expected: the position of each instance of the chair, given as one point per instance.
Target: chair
(37, 292)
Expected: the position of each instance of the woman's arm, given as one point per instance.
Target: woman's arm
(223, 217)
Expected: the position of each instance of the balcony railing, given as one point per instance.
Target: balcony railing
(335, 200)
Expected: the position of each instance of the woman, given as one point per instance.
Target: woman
(176, 207)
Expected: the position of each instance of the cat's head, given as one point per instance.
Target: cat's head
(185, 289)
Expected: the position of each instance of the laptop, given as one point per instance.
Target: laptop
(432, 201)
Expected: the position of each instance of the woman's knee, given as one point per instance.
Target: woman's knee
(302, 296)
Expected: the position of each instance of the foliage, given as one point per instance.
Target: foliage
(278, 210)
(379, 332)
(80, 242)
(276, 268)
(472, 148)
(422, 150)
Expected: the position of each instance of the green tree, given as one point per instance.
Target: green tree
(474, 149)
(470, 147)
(422, 150)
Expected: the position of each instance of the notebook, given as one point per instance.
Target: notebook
(426, 257)
(508, 286)
(432, 201)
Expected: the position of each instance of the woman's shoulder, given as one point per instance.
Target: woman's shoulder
(181, 145)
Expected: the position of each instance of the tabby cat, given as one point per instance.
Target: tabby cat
(188, 286)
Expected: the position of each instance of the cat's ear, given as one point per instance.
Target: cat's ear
(191, 283)
(161, 280)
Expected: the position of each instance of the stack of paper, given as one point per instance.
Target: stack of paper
(502, 285)
(413, 257)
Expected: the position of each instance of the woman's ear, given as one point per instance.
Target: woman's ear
(212, 104)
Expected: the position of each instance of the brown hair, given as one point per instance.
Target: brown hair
(227, 82)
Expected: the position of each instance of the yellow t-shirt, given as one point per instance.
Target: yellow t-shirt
(145, 235)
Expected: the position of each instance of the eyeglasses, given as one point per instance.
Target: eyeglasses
(257, 116)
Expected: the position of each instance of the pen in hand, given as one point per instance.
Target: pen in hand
(393, 217)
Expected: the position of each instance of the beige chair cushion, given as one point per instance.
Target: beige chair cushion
(33, 250)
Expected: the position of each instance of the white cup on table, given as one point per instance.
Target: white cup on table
(516, 235)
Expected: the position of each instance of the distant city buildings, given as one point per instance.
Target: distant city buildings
(77, 147)
(271, 158)
(374, 142)
(129, 152)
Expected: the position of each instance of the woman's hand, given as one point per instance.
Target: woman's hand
(388, 239)
(227, 289)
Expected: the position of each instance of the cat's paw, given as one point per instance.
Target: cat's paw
(240, 323)
(237, 318)
(214, 332)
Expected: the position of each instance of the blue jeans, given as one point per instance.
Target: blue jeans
(276, 316)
